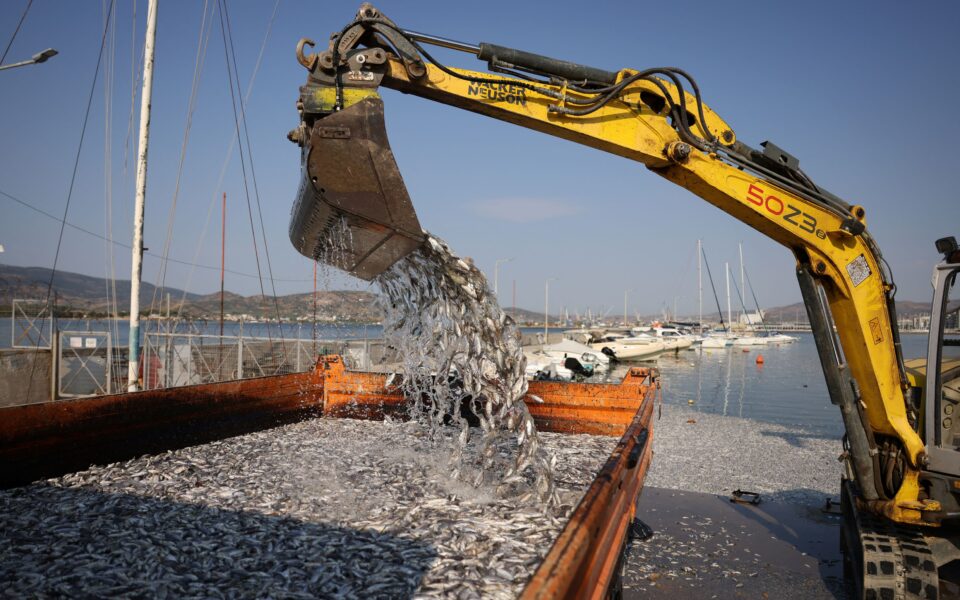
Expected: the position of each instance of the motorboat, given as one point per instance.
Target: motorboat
(624, 348)
(750, 340)
(775, 337)
(545, 368)
(716, 341)
(568, 348)
(673, 338)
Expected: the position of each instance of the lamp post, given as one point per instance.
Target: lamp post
(546, 307)
(36, 59)
(496, 275)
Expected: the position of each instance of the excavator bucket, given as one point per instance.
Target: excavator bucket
(352, 209)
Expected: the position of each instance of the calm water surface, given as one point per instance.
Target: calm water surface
(788, 388)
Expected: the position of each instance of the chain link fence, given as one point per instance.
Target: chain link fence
(178, 359)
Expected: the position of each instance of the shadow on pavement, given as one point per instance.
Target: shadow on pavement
(706, 546)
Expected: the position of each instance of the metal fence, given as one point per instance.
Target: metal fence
(84, 364)
(178, 359)
(31, 325)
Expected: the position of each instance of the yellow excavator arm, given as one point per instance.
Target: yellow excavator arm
(655, 117)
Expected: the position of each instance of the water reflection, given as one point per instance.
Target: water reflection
(788, 388)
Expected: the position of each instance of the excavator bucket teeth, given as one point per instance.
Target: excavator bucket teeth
(352, 209)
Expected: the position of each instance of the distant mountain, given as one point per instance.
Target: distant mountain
(797, 312)
(89, 295)
(80, 291)
(789, 313)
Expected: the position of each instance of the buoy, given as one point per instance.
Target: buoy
(759, 359)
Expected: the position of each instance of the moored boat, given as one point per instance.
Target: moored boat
(545, 368)
(571, 349)
(629, 349)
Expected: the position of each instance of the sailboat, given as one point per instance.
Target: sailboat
(772, 337)
(745, 340)
(712, 340)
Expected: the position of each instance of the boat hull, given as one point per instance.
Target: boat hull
(631, 352)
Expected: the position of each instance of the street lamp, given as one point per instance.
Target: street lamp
(546, 307)
(496, 275)
(37, 58)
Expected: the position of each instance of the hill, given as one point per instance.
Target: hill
(86, 295)
(71, 291)
(789, 313)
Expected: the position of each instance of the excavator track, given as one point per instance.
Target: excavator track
(887, 562)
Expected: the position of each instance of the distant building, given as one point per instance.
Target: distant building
(754, 318)
(917, 322)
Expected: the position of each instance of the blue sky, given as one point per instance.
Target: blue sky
(861, 92)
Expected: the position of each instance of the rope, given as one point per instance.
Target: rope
(243, 161)
(16, 31)
(215, 197)
(110, 282)
(253, 173)
(127, 246)
(202, 40)
(73, 180)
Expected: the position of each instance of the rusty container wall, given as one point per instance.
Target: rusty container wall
(585, 558)
(597, 409)
(50, 439)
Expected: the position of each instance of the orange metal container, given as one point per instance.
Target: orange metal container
(45, 440)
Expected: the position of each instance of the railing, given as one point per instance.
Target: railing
(84, 364)
(31, 325)
(178, 359)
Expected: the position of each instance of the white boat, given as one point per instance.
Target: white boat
(673, 338)
(750, 340)
(630, 349)
(715, 341)
(540, 366)
(775, 337)
(571, 349)
(617, 336)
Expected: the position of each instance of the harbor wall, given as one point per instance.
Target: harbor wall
(17, 367)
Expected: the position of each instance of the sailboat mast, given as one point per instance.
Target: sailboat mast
(136, 267)
(223, 258)
(729, 312)
(699, 287)
(742, 285)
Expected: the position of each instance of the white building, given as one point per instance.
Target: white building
(754, 318)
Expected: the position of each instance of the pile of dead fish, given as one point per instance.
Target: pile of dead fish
(461, 351)
(330, 508)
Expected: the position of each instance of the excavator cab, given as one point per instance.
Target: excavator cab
(939, 377)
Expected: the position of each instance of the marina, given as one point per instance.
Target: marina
(223, 425)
